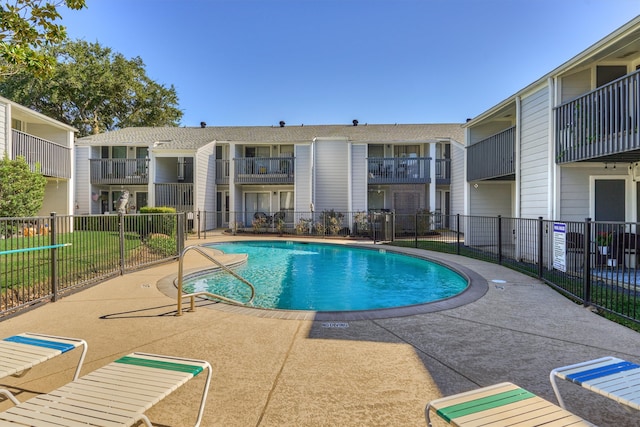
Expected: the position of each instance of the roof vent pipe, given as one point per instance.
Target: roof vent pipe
(203, 125)
(281, 123)
(355, 123)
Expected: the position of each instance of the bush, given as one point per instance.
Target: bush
(162, 245)
(158, 220)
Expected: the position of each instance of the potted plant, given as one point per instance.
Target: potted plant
(603, 239)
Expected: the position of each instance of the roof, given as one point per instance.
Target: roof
(196, 137)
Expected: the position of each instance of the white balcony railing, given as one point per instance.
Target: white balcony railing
(54, 160)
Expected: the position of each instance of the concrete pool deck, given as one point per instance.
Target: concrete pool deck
(270, 371)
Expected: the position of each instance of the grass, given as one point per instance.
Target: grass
(90, 254)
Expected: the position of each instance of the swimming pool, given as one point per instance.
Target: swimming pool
(323, 277)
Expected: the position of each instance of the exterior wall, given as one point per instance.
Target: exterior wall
(575, 85)
(359, 184)
(534, 155)
(488, 199)
(331, 175)
(56, 198)
(457, 180)
(205, 178)
(302, 178)
(84, 204)
(575, 191)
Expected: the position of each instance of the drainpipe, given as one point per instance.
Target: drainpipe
(553, 169)
(516, 154)
(432, 175)
(312, 181)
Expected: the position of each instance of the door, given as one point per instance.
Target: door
(256, 202)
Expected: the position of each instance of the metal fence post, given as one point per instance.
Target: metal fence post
(121, 232)
(586, 299)
(457, 234)
(540, 248)
(180, 218)
(500, 239)
(415, 230)
(199, 223)
(53, 231)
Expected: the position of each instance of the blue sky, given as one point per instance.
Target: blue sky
(256, 62)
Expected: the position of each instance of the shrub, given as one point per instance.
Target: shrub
(156, 220)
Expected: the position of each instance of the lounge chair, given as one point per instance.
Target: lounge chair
(609, 376)
(20, 353)
(117, 394)
(499, 405)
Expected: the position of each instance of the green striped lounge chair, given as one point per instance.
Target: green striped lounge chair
(501, 405)
(615, 378)
(19, 353)
(117, 394)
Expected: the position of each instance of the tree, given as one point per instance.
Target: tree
(25, 27)
(21, 190)
(95, 90)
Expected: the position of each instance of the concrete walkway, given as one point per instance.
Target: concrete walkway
(300, 372)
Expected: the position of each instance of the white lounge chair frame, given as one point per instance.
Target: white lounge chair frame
(19, 353)
(117, 394)
(499, 405)
(609, 376)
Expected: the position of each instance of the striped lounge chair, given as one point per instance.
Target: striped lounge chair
(20, 353)
(117, 394)
(609, 376)
(500, 405)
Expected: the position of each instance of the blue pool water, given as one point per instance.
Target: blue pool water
(323, 277)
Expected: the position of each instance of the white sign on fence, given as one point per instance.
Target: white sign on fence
(560, 246)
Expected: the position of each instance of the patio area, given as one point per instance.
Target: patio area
(302, 372)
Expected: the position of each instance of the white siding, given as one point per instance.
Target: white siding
(331, 175)
(534, 158)
(457, 180)
(574, 188)
(359, 178)
(204, 183)
(83, 183)
(303, 171)
(490, 200)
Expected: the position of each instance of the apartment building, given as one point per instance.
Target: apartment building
(46, 144)
(284, 171)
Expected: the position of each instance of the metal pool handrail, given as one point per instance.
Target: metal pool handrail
(199, 249)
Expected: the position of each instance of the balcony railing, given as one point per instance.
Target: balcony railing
(443, 171)
(601, 125)
(54, 159)
(492, 158)
(264, 170)
(175, 195)
(222, 171)
(399, 170)
(119, 171)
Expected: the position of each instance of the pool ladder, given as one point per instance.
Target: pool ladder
(192, 296)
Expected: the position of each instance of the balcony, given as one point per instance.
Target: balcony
(399, 170)
(54, 159)
(602, 125)
(492, 157)
(119, 171)
(264, 170)
(222, 171)
(175, 195)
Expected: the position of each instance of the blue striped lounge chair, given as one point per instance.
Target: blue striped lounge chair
(609, 376)
(500, 405)
(19, 353)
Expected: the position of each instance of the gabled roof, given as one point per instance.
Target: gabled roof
(195, 137)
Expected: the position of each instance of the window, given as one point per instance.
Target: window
(406, 150)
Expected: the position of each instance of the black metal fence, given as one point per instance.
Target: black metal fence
(42, 258)
(594, 263)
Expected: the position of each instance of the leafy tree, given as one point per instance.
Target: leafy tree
(25, 27)
(21, 190)
(95, 90)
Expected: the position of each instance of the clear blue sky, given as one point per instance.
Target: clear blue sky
(256, 62)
